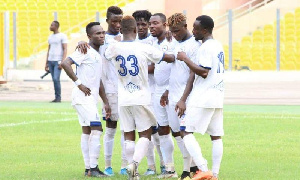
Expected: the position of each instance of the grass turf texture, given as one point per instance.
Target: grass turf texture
(42, 141)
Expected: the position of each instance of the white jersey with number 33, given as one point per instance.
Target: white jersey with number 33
(131, 61)
(209, 92)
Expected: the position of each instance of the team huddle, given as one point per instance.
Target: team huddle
(161, 84)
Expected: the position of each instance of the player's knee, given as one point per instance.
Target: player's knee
(163, 130)
(213, 138)
(111, 124)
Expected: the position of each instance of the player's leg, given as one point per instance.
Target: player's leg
(56, 80)
(196, 120)
(151, 156)
(109, 136)
(174, 121)
(215, 130)
(85, 136)
(156, 142)
(165, 138)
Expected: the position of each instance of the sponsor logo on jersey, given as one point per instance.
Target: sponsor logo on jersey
(131, 87)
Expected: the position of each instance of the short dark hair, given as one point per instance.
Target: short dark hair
(56, 23)
(113, 10)
(90, 25)
(162, 17)
(128, 24)
(206, 22)
(138, 15)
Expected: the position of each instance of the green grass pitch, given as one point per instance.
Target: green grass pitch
(42, 141)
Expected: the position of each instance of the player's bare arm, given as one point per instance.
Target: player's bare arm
(181, 105)
(67, 66)
(151, 68)
(105, 100)
(47, 66)
(164, 100)
(65, 48)
(82, 47)
(169, 58)
(200, 71)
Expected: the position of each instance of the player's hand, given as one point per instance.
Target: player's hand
(181, 56)
(169, 36)
(164, 100)
(117, 38)
(180, 108)
(46, 67)
(85, 90)
(82, 47)
(107, 110)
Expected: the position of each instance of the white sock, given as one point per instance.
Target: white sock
(217, 153)
(85, 150)
(167, 148)
(94, 147)
(155, 140)
(151, 156)
(108, 139)
(141, 149)
(185, 154)
(124, 160)
(194, 150)
(129, 147)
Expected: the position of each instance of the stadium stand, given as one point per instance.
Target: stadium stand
(35, 16)
(258, 51)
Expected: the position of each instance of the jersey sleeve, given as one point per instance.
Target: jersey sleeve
(64, 39)
(204, 60)
(109, 52)
(153, 54)
(77, 57)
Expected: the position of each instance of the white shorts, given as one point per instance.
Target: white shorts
(174, 120)
(113, 102)
(160, 112)
(138, 118)
(88, 114)
(203, 120)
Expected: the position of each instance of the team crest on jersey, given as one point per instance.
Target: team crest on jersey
(164, 48)
(131, 87)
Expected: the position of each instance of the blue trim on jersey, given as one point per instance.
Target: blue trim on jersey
(161, 58)
(73, 61)
(182, 128)
(128, 41)
(205, 67)
(112, 34)
(95, 123)
(145, 37)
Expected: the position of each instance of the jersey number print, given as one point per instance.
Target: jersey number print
(134, 63)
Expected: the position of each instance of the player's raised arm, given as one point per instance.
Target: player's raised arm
(199, 70)
(67, 66)
(82, 47)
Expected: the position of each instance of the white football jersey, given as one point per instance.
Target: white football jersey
(209, 92)
(162, 70)
(88, 70)
(131, 61)
(180, 71)
(109, 77)
(149, 40)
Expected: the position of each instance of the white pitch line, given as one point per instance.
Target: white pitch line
(35, 122)
(36, 112)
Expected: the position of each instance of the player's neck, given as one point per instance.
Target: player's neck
(112, 33)
(94, 46)
(187, 36)
(55, 31)
(207, 38)
(144, 36)
(162, 37)
(129, 37)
